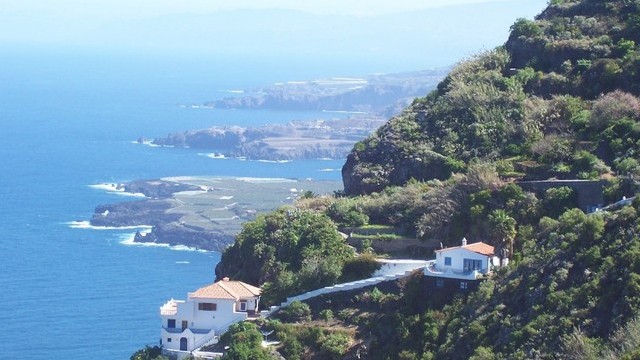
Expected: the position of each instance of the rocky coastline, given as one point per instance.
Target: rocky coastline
(204, 213)
(297, 140)
(384, 94)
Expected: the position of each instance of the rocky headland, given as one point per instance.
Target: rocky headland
(384, 94)
(298, 140)
(201, 212)
(369, 102)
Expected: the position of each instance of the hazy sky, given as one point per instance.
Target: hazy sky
(399, 34)
(110, 10)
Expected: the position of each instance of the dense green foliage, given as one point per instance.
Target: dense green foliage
(306, 341)
(245, 343)
(148, 353)
(574, 294)
(560, 99)
(578, 278)
(288, 251)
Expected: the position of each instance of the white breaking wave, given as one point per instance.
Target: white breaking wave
(213, 155)
(275, 161)
(87, 225)
(148, 143)
(115, 189)
(127, 239)
(191, 192)
(265, 180)
(343, 112)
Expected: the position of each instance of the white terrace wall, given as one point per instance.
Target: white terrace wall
(390, 267)
(392, 273)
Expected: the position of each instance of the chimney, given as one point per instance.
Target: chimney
(464, 241)
(225, 279)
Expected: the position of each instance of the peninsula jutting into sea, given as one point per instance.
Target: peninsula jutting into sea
(201, 212)
(207, 212)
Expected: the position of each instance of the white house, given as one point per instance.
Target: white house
(462, 264)
(207, 312)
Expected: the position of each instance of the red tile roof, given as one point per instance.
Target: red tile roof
(226, 289)
(478, 247)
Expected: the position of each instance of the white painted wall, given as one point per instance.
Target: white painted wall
(457, 259)
(218, 320)
(392, 267)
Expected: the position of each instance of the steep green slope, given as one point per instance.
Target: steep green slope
(559, 99)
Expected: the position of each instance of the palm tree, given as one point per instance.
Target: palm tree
(502, 229)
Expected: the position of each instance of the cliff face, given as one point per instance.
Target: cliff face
(558, 100)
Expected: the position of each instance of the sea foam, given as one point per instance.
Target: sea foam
(115, 189)
(213, 155)
(87, 225)
(265, 180)
(127, 239)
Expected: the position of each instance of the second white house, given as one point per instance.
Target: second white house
(207, 312)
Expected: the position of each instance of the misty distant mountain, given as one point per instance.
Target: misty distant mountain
(419, 39)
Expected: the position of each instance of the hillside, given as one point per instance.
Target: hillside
(558, 100)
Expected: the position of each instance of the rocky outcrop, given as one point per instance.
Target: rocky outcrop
(293, 141)
(385, 158)
(200, 212)
(134, 213)
(175, 234)
(157, 189)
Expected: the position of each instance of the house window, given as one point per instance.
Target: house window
(463, 285)
(207, 306)
(168, 340)
(439, 283)
(447, 261)
(171, 323)
(243, 306)
(471, 265)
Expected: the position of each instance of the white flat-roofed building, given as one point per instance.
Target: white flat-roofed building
(209, 311)
(464, 263)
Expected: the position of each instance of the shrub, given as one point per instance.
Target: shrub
(614, 106)
(326, 315)
(148, 353)
(360, 267)
(558, 200)
(335, 345)
(296, 311)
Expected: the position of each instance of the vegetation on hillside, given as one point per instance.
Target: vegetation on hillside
(575, 294)
(561, 99)
(288, 251)
(558, 100)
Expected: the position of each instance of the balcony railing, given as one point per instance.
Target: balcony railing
(170, 308)
(431, 270)
(181, 330)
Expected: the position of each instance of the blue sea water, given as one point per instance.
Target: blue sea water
(68, 121)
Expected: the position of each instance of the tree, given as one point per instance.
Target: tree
(148, 353)
(245, 343)
(282, 243)
(502, 228)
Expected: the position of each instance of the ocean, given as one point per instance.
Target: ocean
(70, 120)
